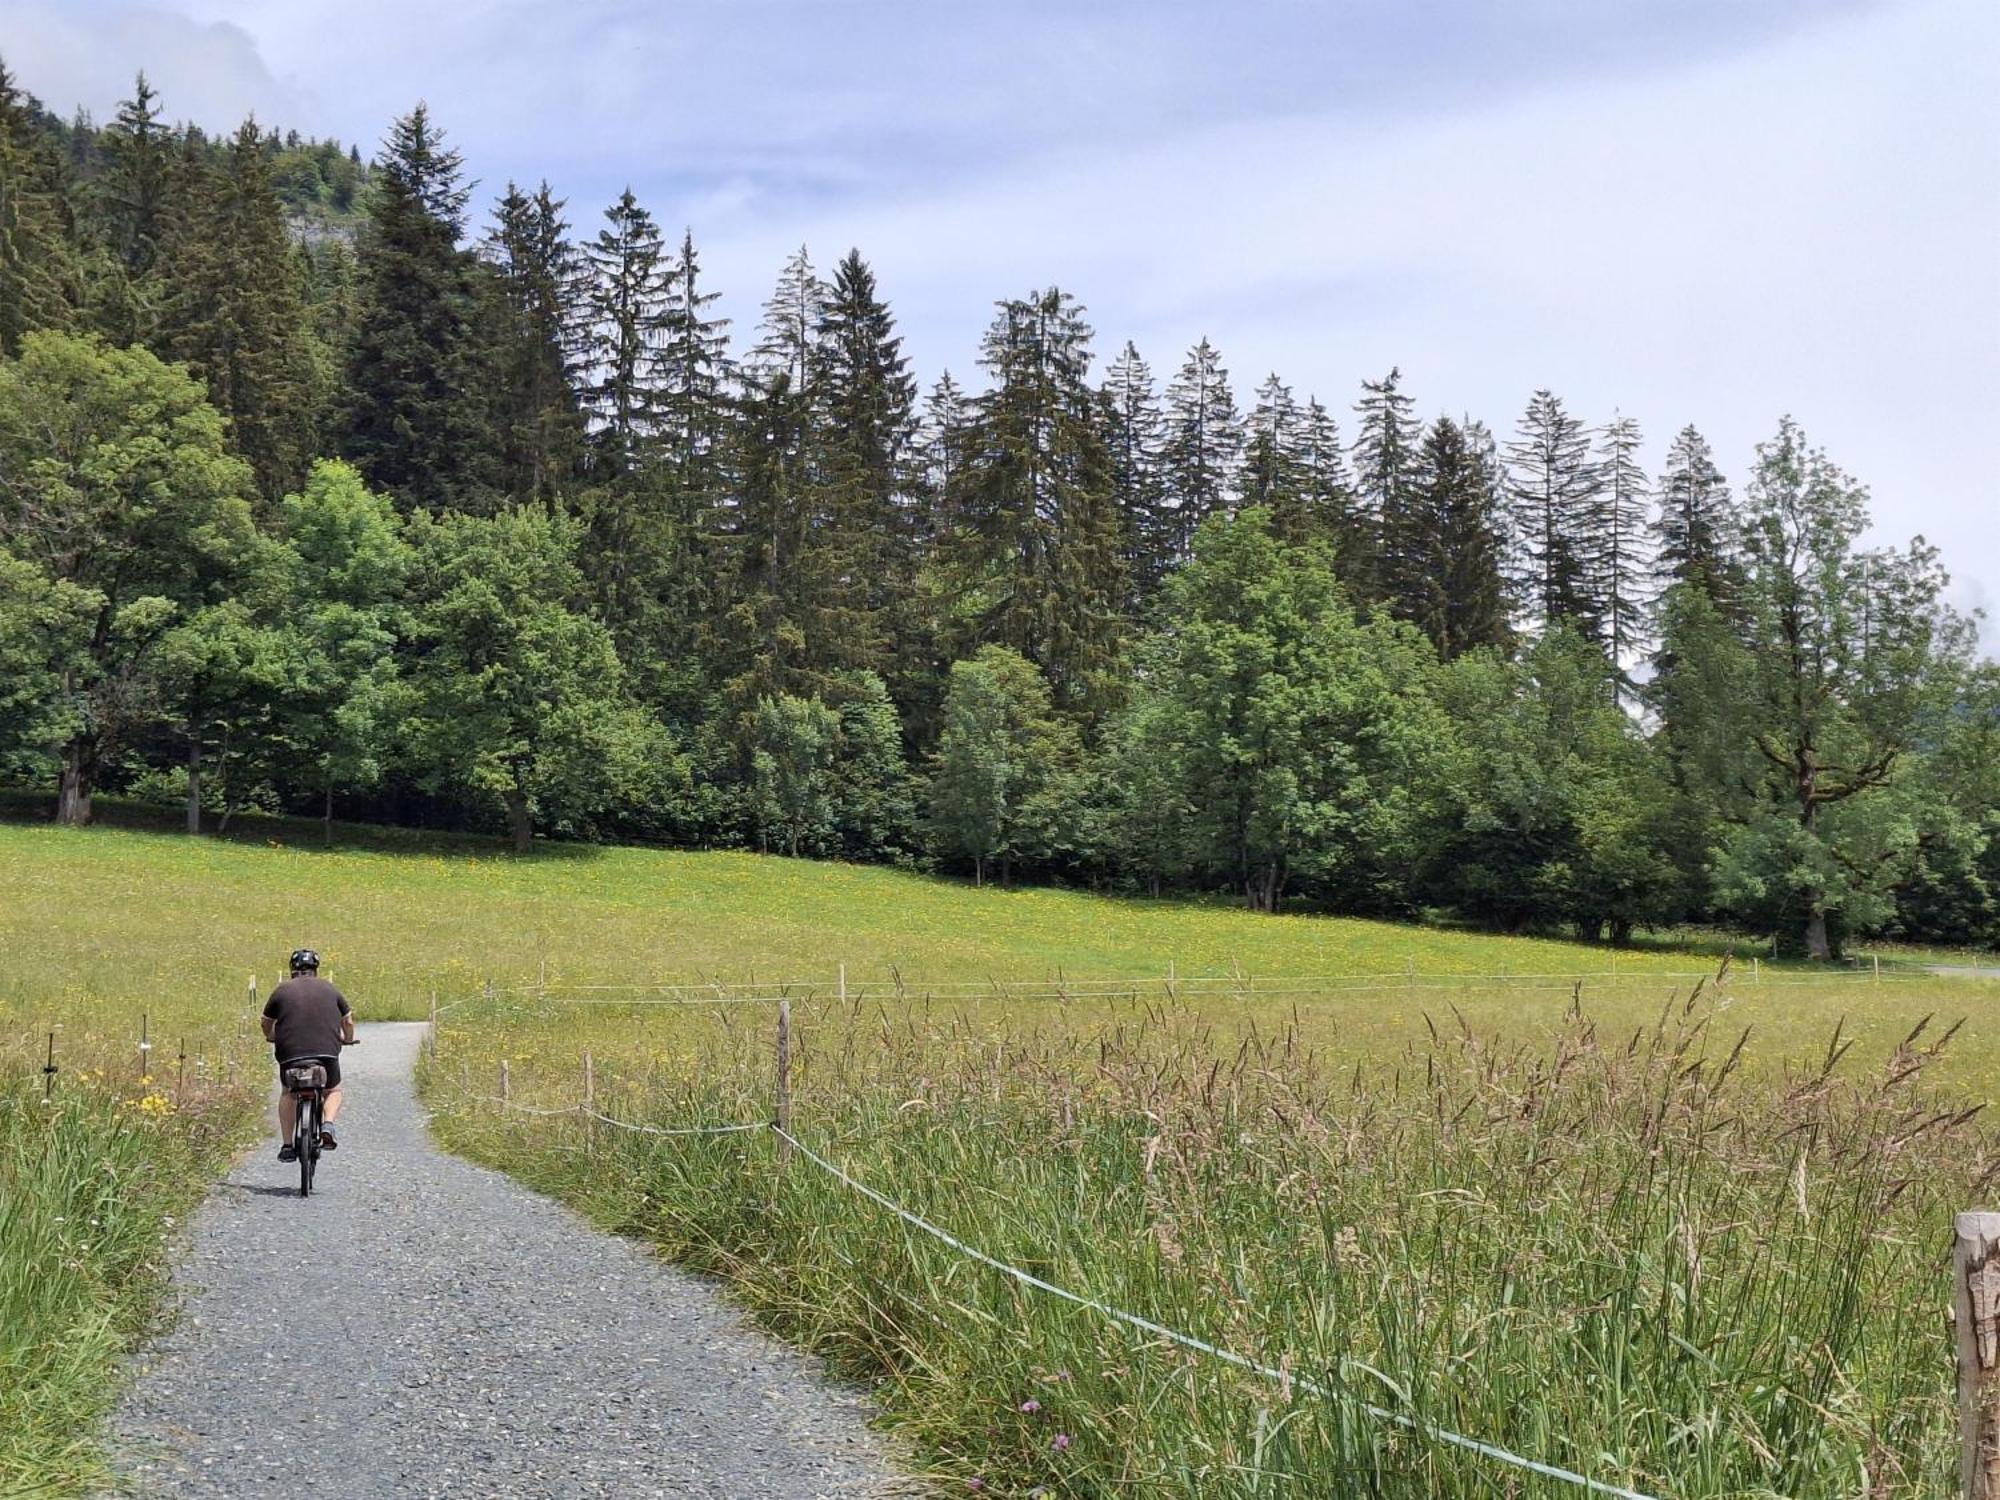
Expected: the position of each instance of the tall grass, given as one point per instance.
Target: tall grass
(1625, 1254)
(95, 1177)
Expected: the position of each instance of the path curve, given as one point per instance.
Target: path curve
(425, 1327)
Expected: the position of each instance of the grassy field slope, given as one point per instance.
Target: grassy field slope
(110, 922)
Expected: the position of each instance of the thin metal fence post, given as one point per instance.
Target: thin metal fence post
(431, 1036)
(145, 1048)
(1878, 966)
(843, 984)
(1976, 1293)
(589, 1101)
(49, 1072)
(784, 1081)
(506, 1084)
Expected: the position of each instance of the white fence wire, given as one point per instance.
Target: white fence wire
(1284, 1379)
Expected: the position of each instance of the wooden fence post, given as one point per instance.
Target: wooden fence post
(784, 1078)
(590, 1101)
(1878, 966)
(1976, 1292)
(431, 1036)
(252, 1011)
(506, 1084)
(1756, 969)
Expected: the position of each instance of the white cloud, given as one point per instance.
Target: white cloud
(70, 55)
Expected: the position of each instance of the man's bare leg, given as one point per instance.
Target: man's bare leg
(288, 1114)
(333, 1104)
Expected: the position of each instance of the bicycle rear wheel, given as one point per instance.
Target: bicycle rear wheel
(306, 1137)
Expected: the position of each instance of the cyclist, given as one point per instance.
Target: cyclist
(307, 1020)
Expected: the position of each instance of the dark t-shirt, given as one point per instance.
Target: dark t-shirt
(308, 1010)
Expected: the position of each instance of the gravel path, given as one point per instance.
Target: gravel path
(425, 1327)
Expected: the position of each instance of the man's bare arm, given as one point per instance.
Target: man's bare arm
(270, 1025)
(347, 1027)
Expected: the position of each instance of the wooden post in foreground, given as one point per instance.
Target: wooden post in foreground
(843, 984)
(506, 1084)
(784, 1078)
(1976, 1293)
(590, 1101)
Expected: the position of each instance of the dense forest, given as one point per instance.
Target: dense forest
(318, 495)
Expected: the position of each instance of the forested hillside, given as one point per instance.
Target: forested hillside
(491, 520)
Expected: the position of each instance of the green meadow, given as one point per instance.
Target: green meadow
(1685, 1235)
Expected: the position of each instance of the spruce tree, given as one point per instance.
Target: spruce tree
(1277, 471)
(942, 435)
(1453, 540)
(1385, 471)
(863, 417)
(788, 336)
(540, 277)
(1554, 489)
(1331, 509)
(1203, 445)
(1624, 570)
(694, 405)
(234, 310)
(138, 149)
(419, 379)
(1134, 430)
(1697, 528)
(1036, 556)
(38, 271)
(627, 305)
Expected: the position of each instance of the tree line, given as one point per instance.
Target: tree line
(499, 524)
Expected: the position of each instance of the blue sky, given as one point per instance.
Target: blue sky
(1712, 211)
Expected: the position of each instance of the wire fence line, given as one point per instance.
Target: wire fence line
(1284, 1379)
(1168, 986)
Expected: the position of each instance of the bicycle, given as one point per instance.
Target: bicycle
(306, 1082)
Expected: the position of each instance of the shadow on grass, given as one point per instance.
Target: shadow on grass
(299, 835)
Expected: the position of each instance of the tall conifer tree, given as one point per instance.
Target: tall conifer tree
(541, 341)
(627, 309)
(1134, 430)
(233, 309)
(695, 376)
(1385, 472)
(1037, 556)
(419, 378)
(1277, 472)
(138, 150)
(1698, 531)
(1554, 487)
(1204, 443)
(864, 411)
(788, 336)
(1449, 543)
(1624, 570)
(38, 271)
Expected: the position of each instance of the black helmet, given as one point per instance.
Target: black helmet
(304, 958)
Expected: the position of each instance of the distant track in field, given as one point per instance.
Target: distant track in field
(425, 1327)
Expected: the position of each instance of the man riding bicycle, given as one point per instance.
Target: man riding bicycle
(307, 1020)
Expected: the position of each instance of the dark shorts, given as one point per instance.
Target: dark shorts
(331, 1064)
